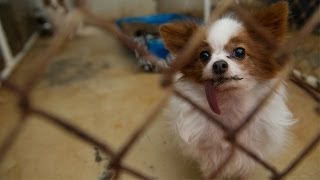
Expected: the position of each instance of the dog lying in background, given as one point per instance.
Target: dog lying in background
(229, 73)
(57, 10)
(59, 13)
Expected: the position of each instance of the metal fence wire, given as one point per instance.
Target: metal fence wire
(116, 163)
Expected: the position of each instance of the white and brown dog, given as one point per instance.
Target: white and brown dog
(59, 13)
(230, 72)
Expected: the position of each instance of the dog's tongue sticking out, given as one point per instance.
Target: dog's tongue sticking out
(211, 94)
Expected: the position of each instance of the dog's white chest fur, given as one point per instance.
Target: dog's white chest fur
(204, 141)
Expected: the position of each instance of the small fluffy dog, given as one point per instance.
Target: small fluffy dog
(230, 72)
(59, 13)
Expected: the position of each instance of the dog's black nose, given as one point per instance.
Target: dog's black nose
(219, 67)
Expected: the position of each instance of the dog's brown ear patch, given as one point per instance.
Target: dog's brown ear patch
(177, 34)
(275, 19)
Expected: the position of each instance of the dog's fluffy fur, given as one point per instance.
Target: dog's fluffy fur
(59, 13)
(267, 133)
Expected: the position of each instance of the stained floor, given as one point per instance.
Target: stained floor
(95, 84)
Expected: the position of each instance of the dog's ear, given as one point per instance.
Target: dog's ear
(177, 34)
(274, 19)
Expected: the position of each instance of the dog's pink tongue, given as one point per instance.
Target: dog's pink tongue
(212, 96)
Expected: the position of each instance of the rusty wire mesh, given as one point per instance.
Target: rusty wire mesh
(116, 163)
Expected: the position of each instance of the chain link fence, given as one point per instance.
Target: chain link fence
(116, 163)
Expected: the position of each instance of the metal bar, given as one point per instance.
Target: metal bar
(311, 146)
(149, 119)
(219, 170)
(76, 131)
(10, 138)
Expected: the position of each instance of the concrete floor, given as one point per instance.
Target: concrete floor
(95, 84)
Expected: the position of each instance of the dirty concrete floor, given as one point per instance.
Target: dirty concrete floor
(94, 83)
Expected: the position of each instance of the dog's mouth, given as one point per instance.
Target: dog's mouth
(211, 90)
(224, 79)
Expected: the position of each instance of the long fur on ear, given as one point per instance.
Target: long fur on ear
(275, 19)
(177, 34)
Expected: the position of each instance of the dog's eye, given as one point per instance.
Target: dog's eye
(239, 53)
(205, 56)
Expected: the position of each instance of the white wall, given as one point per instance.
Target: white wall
(117, 8)
(194, 7)
(123, 8)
